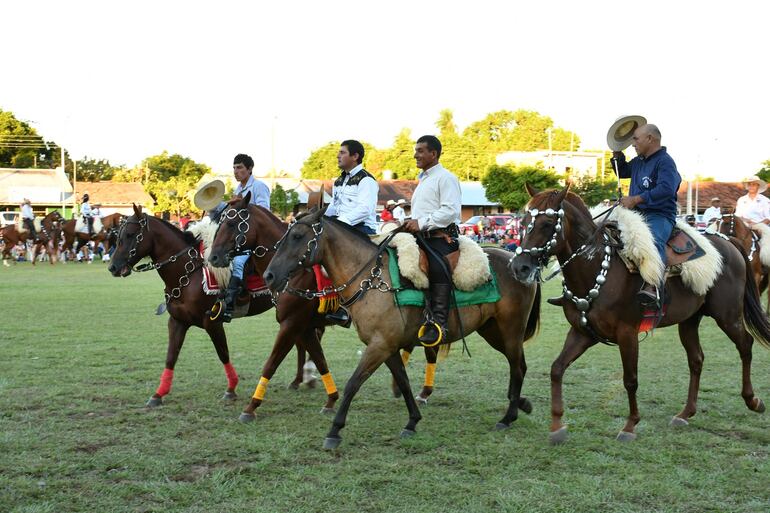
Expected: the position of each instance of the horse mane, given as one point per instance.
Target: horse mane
(187, 237)
(272, 217)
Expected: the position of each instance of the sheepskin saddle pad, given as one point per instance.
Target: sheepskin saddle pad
(690, 254)
(763, 232)
(38, 223)
(82, 227)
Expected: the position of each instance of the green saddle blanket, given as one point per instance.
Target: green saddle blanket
(489, 292)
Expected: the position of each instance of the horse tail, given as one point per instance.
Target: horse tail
(755, 318)
(533, 322)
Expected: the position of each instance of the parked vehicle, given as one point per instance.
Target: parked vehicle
(9, 218)
(491, 221)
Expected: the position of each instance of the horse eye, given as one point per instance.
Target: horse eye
(296, 236)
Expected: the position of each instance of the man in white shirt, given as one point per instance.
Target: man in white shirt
(754, 208)
(28, 219)
(436, 205)
(243, 167)
(354, 202)
(85, 211)
(398, 213)
(714, 212)
(354, 194)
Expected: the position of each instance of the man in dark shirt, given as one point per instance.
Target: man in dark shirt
(654, 183)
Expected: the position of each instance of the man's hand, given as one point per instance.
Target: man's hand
(630, 201)
(618, 155)
(412, 226)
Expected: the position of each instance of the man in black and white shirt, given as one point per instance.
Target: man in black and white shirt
(354, 202)
(436, 205)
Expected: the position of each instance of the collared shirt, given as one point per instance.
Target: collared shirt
(354, 199)
(712, 213)
(85, 209)
(260, 192)
(26, 212)
(437, 200)
(399, 214)
(655, 179)
(756, 210)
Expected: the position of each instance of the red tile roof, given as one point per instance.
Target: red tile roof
(114, 193)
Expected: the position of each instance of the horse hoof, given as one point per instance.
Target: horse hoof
(625, 436)
(293, 386)
(396, 393)
(678, 422)
(230, 396)
(559, 436)
(760, 406)
(328, 411)
(331, 443)
(154, 402)
(247, 417)
(422, 401)
(310, 383)
(525, 405)
(501, 426)
(407, 433)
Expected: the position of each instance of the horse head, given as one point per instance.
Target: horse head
(544, 235)
(299, 247)
(234, 233)
(132, 245)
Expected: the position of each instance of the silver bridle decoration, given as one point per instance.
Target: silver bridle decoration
(542, 253)
(584, 303)
(243, 229)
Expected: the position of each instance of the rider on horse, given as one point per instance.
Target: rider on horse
(436, 205)
(88, 215)
(354, 202)
(260, 196)
(654, 184)
(753, 207)
(28, 218)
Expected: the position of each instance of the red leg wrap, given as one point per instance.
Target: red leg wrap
(232, 376)
(165, 382)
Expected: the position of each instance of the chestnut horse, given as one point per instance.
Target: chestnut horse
(175, 256)
(560, 225)
(734, 226)
(360, 270)
(74, 240)
(48, 237)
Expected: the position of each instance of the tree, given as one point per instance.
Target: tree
(764, 173)
(593, 190)
(283, 201)
(21, 146)
(170, 180)
(506, 185)
(322, 162)
(399, 158)
(93, 170)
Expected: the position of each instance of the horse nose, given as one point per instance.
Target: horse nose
(112, 268)
(268, 277)
(214, 258)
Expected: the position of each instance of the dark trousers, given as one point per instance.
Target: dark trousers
(30, 225)
(361, 227)
(435, 248)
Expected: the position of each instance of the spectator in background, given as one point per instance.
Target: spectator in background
(754, 208)
(690, 219)
(399, 214)
(714, 212)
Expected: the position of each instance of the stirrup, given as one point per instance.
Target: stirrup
(421, 332)
(217, 309)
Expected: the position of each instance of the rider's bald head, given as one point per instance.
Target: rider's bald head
(651, 130)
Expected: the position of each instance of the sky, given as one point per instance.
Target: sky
(127, 80)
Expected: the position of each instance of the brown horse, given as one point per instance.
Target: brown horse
(360, 269)
(734, 226)
(47, 237)
(258, 234)
(74, 240)
(560, 225)
(175, 256)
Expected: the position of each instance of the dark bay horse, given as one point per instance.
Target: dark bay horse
(359, 270)
(561, 226)
(175, 256)
(734, 226)
(48, 237)
(74, 240)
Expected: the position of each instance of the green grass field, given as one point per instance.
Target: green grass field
(82, 352)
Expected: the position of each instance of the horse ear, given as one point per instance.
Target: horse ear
(246, 200)
(531, 190)
(137, 209)
(560, 197)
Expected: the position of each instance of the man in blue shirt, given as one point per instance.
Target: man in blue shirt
(654, 184)
(243, 166)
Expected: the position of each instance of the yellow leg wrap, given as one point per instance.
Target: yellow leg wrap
(328, 304)
(329, 383)
(405, 357)
(430, 374)
(259, 393)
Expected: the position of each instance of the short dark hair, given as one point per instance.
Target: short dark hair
(244, 159)
(432, 142)
(354, 147)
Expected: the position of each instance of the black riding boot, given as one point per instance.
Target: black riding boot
(231, 294)
(440, 299)
(340, 317)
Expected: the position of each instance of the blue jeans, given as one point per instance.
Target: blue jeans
(660, 226)
(238, 263)
(361, 227)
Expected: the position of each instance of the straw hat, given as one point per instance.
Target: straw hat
(715, 198)
(209, 195)
(26, 201)
(755, 178)
(390, 203)
(622, 131)
(400, 202)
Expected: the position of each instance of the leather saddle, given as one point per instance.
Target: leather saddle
(681, 248)
(452, 259)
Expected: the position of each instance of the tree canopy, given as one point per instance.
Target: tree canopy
(171, 180)
(506, 185)
(22, 147)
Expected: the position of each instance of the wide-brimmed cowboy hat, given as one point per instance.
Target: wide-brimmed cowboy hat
(209, 195)
(26, 201)
(400, 202)
(390, 203)
(755, 178)
(715, 198)
(622, 131)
